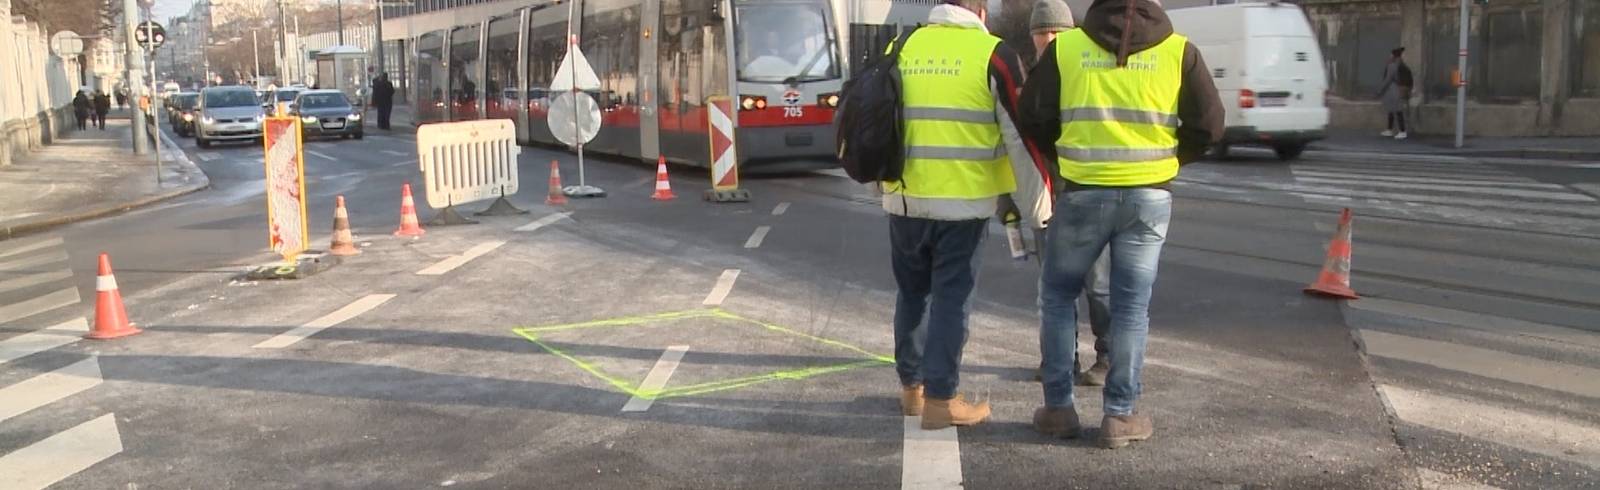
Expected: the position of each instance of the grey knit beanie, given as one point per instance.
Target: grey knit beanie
(1050, 15)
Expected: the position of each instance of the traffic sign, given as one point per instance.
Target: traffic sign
(66, 44)
(574, 118)
(150, 35)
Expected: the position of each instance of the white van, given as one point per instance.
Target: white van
(1268, 69)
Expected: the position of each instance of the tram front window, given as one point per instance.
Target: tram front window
(779, 41)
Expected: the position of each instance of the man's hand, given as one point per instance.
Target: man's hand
(1007, 208)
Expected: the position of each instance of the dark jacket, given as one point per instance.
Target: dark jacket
(102, 103)
(382, 92)
(80, 105)
(1200, 110)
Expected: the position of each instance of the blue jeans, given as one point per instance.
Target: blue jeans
(938, 260)
(1133, 222)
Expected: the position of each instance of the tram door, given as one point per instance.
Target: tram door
(648, 77)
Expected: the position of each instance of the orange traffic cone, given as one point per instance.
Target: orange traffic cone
(663, 188)
(343, 242)
(110, 317)
(1334, 280)
(408, 214)
(556, 197)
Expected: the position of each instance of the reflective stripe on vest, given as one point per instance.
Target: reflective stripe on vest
(953, 148)
(1118, 124)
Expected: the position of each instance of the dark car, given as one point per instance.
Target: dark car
(327, 113)
(181, 112)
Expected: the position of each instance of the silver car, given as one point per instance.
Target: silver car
(228, 114)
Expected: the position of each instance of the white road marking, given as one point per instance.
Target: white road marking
(543, 222)
(1551, 437)
(207, 156)
(454, 261)
(52, 257)
(352, 310)
(62, 455)
(1477, 321)
(930, 459)
(723, 287)
(781, 208)
(29, 246)
(33, 280)
(757, 236)
(1453, 180)
(35, 342)
(27, 308)
(1558, 195)
(322, 155)
(395, 153)
(1488, 363)
(1433, 480)
(46, 388)
(657, 378)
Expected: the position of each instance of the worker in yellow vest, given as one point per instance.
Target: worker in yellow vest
(959, 90)
(1120, 102)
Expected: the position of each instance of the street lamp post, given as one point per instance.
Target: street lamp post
(338, 11)
(135, 65)
(255, 52)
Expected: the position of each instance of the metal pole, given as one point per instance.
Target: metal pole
(377, 34)
(1461, 66)
(155, 126)
(338, 10)
(255, 52)
(130, 12)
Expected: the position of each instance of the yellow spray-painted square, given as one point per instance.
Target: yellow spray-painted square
(861, 357)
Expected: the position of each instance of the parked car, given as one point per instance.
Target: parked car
(327, 113)
(230, 113)
(181, 112)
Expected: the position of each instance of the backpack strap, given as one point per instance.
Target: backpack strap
(894, 52)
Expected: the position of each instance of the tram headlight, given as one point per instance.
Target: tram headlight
(828, 100)
(753, 102)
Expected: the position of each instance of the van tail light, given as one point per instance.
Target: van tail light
(1247, 99)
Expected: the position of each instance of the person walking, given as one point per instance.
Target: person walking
(383, 99)
(1125, 101)
(81, 109)
(958, 91)
(122, 98)
(1396, 93)
(102, 106)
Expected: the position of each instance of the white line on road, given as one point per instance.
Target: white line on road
(24, 309)
(1433, 480)
(207, 156)
(543, 222)
(49, 461)
(394, 153)
(657, 378)
(781, 208)
(1551, 437)
(46, 388)
(352, 310)
(757, 236)
(1558, 195)
(322, 155)
(29, 246)
(454, 261)
(1488, 363)
(930, 459)
(1477, 321)
(52, 257)
(33, 280)
(39, 341)
(723, 287)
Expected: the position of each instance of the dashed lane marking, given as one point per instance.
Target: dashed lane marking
(394, 153)
(46, 388)
(29, 246)
(1556, 438)
(453, 262)
(930, 459)
(34, 280)
(657, 379)
(781, 208)
(1488, 363)
(57, 255)
(207, 156)
(352, 310)
(26, 308)
(62, 455)
(322, 155)
(31, 343)
(1477, 321)
(757, 236)
(543, 222)
(723, 287)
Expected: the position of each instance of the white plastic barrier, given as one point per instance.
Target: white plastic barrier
(467, 161)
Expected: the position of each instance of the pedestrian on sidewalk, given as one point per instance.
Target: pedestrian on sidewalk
(1396, 93)
(102, 105)
(383, 98)
(122, 98)
(1125, 101)
(958, 91)
(1048, 19)
(81, 109)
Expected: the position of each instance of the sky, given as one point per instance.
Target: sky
(166, 9)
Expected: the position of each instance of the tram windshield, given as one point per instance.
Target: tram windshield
(779, 41)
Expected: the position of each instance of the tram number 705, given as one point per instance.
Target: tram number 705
(793, 112)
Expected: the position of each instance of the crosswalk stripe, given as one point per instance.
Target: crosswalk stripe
(1480, 191)
(17, 311)
(31, 280)
(29, 246)
(207, 156)
(1477, 321)
(1426, 174)
(1437, 168)
(62, 455)
(930, 459)
(1487, 363)
(1575, 211)
(46, 388)
(37, 260)
(35, 342)
(1529, 432)
(1357, 179)
(352, 310)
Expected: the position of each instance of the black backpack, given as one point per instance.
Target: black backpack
(870, 134)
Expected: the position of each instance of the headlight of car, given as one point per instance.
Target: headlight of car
(207, 119)
(261, 117)
(188, 117)
(308, 119)
(355, 116)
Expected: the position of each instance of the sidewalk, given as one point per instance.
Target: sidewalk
(87, 174)
(1541, 148)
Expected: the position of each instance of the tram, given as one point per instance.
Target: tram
(658, 61)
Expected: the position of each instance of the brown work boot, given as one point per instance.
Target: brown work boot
(938, 414)
(911, 400)
(1096, 374)
(1119, 430)
(1060, 422)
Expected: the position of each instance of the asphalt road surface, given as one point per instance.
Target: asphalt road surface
(626, 342)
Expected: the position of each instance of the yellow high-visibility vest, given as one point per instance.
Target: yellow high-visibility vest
(1119, 125)
(953, 147)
